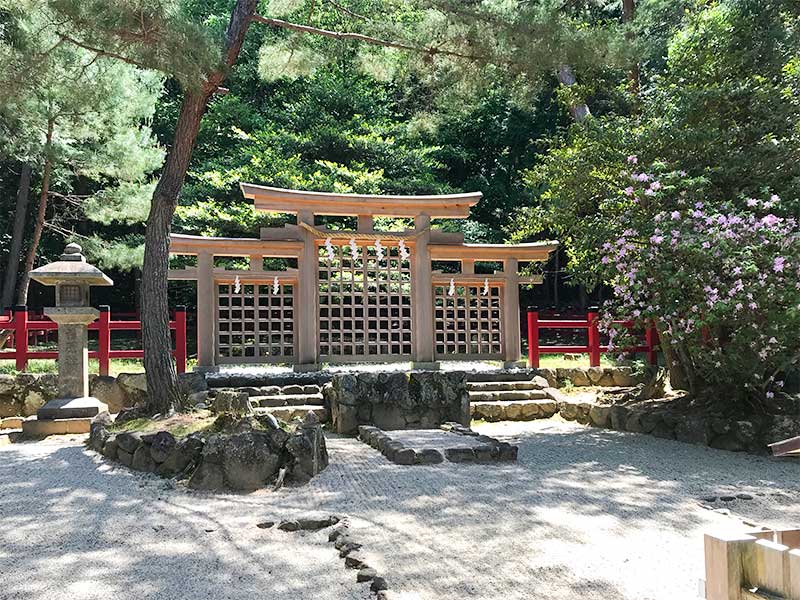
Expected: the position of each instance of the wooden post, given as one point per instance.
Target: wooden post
(306, 299)
(206, 319)
(256, 262)
(104, 339)
(511, 327)
(594, 337)
(723, 558)
(180, 339)
(365, 224)
(533, 338)
(422, 307)
(21, 336)
(467, 266)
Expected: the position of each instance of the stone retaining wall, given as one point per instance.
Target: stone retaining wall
(248, 455)
(413, 400)
(660, 419)
(23, 394)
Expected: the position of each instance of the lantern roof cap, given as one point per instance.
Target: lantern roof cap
(71, 267)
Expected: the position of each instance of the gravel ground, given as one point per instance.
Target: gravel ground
(585, 513)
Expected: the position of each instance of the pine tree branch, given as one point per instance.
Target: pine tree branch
(347, 11)
(100, 52)
(360, 37)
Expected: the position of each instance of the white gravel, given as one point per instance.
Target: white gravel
(585, 513)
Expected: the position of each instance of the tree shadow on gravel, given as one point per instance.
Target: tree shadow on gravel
(73, 526)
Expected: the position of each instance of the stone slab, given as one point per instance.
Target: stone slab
(35, 428)
(431, 446)
(71, 408)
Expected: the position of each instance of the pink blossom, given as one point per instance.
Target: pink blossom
(629, 191)
(633, 159)
(778, 265)
(752, 202)
(675, 214)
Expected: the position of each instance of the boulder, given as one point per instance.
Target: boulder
(692, 430)
(428, 456)
(243, 461)
(185, 453)
(108, 390)
(634, 421)
(541, 382)
(9, 407)
(33, 401)
(623, 376)
(133, 383)
(161, 446)
(129, 441)
(192, 382)
(618, 417)
(98, 434)
(307, 447)
(600, 416)
(549, 375)
(595, 374)
(142, 461)
(126, 458)
(568, 410)
(8, 385)
(234, 402)
(110, 448)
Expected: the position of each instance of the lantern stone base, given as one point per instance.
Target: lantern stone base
(32, 427)
(71, 408)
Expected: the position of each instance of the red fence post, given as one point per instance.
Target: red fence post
(180, 338)
(651, 341)
(21, 336)
(594, 338)
(533, 337)
(104, 339)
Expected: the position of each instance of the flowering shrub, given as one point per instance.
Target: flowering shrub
(721, 282)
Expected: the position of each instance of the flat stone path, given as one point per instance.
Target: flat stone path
(585, 513)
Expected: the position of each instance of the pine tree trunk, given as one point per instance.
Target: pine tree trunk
(163, 393)
(24, 284)
(628, 8)
(17, 236)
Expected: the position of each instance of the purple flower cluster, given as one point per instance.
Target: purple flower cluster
(720, 280)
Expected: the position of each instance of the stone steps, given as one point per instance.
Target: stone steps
(507, 395)
(289, 413)
(495, 376)
(523, 410)
(502, 386)
(288, 400)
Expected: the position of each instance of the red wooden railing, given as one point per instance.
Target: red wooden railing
(24, 328)
(593, 347)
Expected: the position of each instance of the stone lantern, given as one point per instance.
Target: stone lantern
(73, 410)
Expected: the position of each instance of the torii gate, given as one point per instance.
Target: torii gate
(356, 296)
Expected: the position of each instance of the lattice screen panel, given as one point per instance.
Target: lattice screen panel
(255, 323)
(364, 305)
(468, 323)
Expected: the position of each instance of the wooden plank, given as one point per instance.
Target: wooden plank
(784, 447)
(788, 537)
(793, 559)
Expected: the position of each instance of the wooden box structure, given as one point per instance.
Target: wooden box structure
(759, 564)
(356, 296)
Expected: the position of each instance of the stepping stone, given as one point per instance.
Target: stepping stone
(288, 400)
(507, 395)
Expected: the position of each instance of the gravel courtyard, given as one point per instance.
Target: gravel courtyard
(585, 513)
